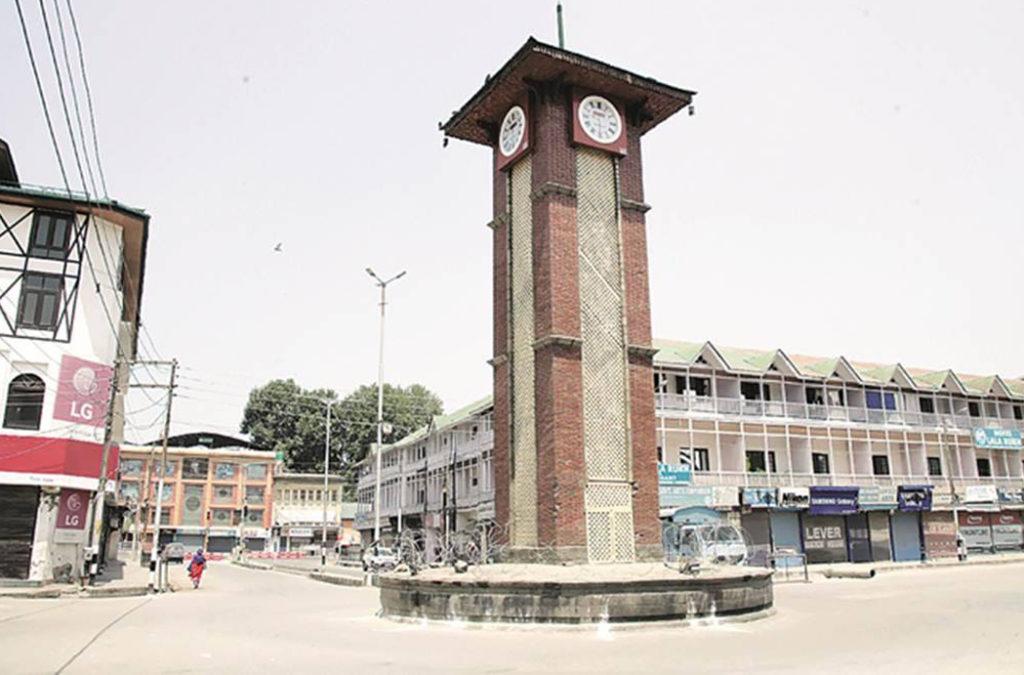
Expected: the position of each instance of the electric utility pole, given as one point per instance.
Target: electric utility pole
(380, 397)
(95, 527)
(170, 386)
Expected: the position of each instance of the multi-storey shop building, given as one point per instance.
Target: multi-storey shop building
(213, 497)
(835, 458)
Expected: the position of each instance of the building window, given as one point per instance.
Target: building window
(25, 396)
(973, 409)
(256, 471)
(876, 399)
(254, 517)
(130, 490)
(1018, 413)
(880, 465)
(40, 301)
(927, 404)
(700, 386)
(224, 517)
(661, 455)
(254, 494)
(131, 467)
(750, 391)
(836, 399)
(813, 396)
(170, 469)
(819, 462)
(934, 466)
(984, 467)
(195, 468)
(51, 232)
(223, 471)
(223, 494)
(756, 461)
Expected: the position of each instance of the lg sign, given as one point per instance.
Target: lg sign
(84, 392)
(72, 509)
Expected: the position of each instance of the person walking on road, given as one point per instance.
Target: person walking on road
(196, 567)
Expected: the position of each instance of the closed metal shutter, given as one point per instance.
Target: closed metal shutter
(18, 506)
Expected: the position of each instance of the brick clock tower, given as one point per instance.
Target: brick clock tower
(575, 461)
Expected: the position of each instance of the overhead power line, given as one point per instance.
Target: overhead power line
(42, 96)
(88, 98)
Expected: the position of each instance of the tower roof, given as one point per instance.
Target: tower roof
(536, 61)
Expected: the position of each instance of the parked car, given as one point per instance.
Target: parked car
(173, 551)
(379, 558)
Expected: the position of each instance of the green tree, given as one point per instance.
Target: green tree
(284, 417)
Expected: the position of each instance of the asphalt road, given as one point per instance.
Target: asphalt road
(927, 621)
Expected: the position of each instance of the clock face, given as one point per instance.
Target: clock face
(513, 128)
(600, 119)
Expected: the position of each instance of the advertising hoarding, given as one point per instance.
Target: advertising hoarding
(83, 391)
(997, 439)
(829, 500)
(915, 497)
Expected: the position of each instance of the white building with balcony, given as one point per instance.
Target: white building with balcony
(769, 439)
(71, 278)
(438, 478)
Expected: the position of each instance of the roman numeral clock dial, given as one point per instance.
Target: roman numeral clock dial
(600, 119)
(513, 129)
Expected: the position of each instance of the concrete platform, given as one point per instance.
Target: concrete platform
(510, 593)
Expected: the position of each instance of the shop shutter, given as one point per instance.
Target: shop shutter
(18, 506)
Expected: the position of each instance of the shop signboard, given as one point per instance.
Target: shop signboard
(1007, 530)
(725, 496)
(915, 497)
(981, 494)
(674, 474)
(72, 507)
(976, 530)
(300, 532)
(682, 496)
(696, 515)
(1010, 497)
(998, 439)
(824, 538)
(831, 500)
(794, 498)
(877, 498)
(760, 497)
(83, 391)
(254, 533)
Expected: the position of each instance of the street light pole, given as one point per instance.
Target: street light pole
(327, 464)
(380, 397)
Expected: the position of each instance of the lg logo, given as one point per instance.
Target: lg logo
(84, 382)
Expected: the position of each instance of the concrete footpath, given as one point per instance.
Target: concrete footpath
(333, 573)
(120, 579)
(868, 570)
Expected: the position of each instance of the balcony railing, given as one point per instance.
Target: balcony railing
(738, 407)
(797, 479)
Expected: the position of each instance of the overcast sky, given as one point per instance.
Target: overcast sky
(850, 183)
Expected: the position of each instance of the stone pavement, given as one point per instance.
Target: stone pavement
(933, 621)
(333, 573)
(120, 578)
(975, 559)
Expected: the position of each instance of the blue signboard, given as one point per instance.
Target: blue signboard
(998, 439)
(674, 474)
(915, 497)
(833, 501)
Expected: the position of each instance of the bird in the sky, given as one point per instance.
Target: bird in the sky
(277, 248)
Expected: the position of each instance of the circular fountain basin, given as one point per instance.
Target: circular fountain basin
(575, 594)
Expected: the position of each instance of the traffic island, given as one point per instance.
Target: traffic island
(575, 594)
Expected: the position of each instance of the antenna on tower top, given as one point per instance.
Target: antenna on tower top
(561, 30)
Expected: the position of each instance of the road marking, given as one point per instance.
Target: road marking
(98, 634)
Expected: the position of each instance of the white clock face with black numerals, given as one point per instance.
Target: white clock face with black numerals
(600, 119)
(513, 127)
